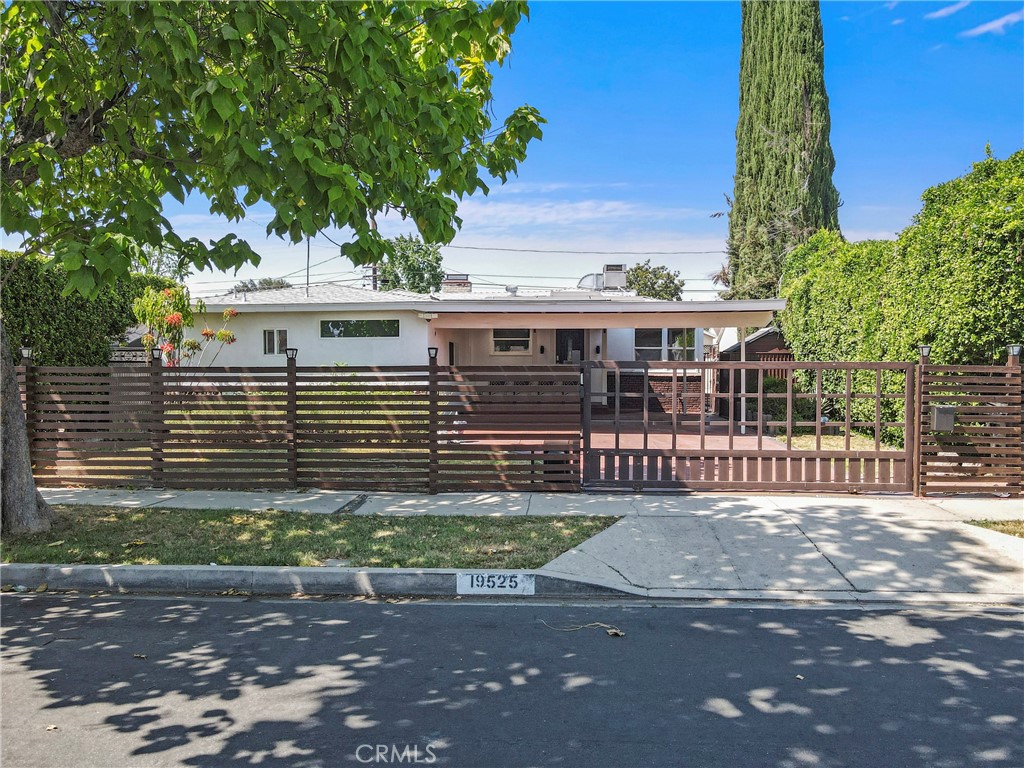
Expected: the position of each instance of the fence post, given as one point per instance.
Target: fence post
(30, 404)
(1013, 362)
(292, 417)
(433, 421)
(156, 423)
(587, 471)
(919, 415)
(912, 424)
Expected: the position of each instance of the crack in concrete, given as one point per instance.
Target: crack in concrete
(529, 503)
(721, 546)
(818, 550)
(621, 574)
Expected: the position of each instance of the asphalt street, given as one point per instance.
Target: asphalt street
(115, 681)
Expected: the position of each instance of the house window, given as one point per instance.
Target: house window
(359, 329)
(681, 344)
(511, 341)
(275, 342)
(666, 343)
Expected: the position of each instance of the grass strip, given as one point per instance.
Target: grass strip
(157, 536)
(1012, 527)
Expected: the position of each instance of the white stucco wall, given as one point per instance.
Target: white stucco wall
(409, 348)
(473, 346)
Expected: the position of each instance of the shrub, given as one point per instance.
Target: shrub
(65, 330)
(953, 279)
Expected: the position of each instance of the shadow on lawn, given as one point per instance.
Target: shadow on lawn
(247, 683)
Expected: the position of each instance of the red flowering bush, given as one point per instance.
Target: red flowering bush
(166, 314)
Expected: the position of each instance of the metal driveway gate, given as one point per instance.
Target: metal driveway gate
(756, 426)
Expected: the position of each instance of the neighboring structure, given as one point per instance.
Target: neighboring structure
(331, 324)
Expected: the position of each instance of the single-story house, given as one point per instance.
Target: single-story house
(331, 323)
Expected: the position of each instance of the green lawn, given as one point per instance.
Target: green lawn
(1012, 527)
(858, 442)
(153, 536)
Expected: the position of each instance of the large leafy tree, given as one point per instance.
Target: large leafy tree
(655, 281)
(412, 265)
(330, 113)
(783, 189)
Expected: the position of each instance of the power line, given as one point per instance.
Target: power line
(597, 253)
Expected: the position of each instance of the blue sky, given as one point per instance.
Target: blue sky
(641, 100)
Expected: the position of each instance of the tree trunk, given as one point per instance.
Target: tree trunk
(22, 508)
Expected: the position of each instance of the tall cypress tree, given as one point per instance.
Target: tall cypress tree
(783, 188)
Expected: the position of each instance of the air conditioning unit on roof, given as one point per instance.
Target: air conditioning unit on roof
(614, 276)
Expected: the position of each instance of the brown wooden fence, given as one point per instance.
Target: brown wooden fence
(409, 428)
(824, 426)
(979, 448)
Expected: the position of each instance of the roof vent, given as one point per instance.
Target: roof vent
(456, 283)
(512, 289)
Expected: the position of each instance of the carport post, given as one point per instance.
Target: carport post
(743, 383)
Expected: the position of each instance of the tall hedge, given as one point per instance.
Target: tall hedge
(783, 190)
(953, 279)
(64, 330)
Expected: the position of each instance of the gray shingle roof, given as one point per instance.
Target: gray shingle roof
(325, 293)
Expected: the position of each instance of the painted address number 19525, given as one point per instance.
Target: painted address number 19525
(495, 583)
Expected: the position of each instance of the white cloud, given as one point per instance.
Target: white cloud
(949, 10)
(891, 6)
(996, 26)
(897, 22)
(495, 214)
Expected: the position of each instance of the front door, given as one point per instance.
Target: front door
(569, 346)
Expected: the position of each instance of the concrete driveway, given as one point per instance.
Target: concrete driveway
(798, 547)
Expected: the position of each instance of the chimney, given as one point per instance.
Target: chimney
(455, 283)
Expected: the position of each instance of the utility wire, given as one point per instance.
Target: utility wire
(598, 253)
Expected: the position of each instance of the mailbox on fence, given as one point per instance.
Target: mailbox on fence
(943, 418)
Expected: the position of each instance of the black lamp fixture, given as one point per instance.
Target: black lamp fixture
(26, 353)
(1014, 349)
(925, 350)
(432, 353)
(158, 353)
(291, 352)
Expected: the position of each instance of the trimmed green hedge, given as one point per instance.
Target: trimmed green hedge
(64, 330)
(953, 279)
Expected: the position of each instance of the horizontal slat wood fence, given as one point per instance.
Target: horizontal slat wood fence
(982, 453)
(424, 428)
(508, 427)
(384, 428)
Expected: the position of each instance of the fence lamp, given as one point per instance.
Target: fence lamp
(925, 350)
(432, 353)
(158, 353)
(291, 352)
(26, 353)
(1013, 349)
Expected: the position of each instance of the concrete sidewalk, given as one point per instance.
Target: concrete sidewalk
(793, 547)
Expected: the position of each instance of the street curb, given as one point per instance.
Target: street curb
(430, 582)
(276, 580)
